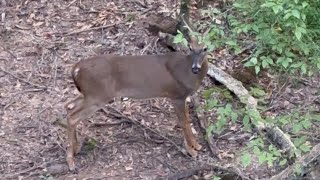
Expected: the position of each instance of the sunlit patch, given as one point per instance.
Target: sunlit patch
(76, 71)
(70, 106)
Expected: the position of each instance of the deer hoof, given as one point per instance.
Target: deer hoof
(71, 164)
(192, 151)
(197, 146)
(193, 148)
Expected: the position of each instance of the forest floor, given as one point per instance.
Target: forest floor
(39, 43)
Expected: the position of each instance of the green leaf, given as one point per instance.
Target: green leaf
(256, 150)
(211, 103)
(246, 121)
(296, 128)
(246, 159)
(269, 60)
(264, 63)
(304, 148)
(298, 34)
(237, 5)
(234, 116)
(299, 141)
(285, 63)
(280, 60)
(298, 168)
(287, 16)
(298, 152)
(304, 68)
(178, 38)
(276, 9)
(296, 13)
(283, 162)
(185, 42)
(276, 153)
(207, 93)
(262, 158)
(257, 68)
(284, 121)
(210, 129)
(268, 4)
(303, 17)
(306, 124)
(231, 43)
(216, 178)
(289, 54)
(257, 92)
(304, 4)
(252, 62)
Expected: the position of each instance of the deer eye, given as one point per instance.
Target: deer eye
(190, 48)
(205, 49)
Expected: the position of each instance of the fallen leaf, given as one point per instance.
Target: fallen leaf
(128, 168)
(37, 24)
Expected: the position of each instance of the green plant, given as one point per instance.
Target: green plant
(265, 154)
(286, 33)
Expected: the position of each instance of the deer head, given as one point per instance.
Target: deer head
(198, 52)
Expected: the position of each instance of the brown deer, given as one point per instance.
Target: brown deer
(100, 79)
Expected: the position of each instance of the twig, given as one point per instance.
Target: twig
(8, 51)
(93, 28)
(24, 171)
(110, 123)
(55, 71)
(207, 167)
(71, 3)
(144, 49)
(25, 81)
(134, 121)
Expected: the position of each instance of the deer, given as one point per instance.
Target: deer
(102, 78)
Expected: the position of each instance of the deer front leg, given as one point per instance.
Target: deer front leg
(182, 112)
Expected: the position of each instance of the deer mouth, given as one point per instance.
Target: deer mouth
(196, 68)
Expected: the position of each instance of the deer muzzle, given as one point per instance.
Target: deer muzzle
(196, 68)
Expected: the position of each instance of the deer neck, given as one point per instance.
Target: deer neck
(182, 73)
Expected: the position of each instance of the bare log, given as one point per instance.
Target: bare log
(275, 134)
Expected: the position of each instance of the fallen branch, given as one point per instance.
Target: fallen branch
(93, 28)
(275, 134)
(306, 163)
(228, 171)
(23, 80)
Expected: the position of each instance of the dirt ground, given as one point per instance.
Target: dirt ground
(40, 41)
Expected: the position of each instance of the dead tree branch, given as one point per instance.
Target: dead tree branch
(307, 163)
(272, 132)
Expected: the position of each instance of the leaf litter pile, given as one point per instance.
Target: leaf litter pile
(41, 40)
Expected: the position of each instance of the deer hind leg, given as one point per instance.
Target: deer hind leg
(182, 112)
(72, 107)
(78, 109)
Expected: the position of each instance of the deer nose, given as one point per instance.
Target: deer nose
(195, 70)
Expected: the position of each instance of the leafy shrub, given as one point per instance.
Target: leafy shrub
(286, 33)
